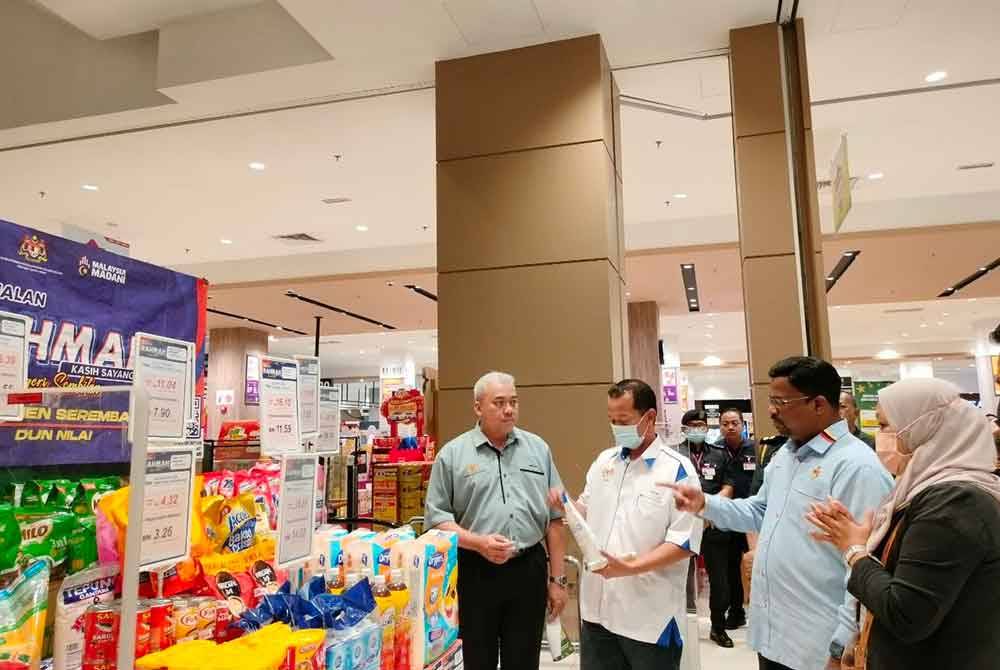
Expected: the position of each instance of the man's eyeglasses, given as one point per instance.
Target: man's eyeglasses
(781, 403)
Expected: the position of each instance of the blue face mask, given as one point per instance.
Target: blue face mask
(697, 437)
(628, 437)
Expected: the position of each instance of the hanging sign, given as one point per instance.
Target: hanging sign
(166, 513)
(14, 331)
(165, 367)
(840, 185)
(279, 406)
(309, 371)
(296, 509)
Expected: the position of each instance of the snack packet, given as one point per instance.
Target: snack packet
(10, 543)
(233, 523)
(77, 593)
(45, 533)
(22, 616)
(83, 545)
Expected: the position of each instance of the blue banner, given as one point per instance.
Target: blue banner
(85, 304)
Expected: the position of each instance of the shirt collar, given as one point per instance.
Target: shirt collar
(822, 442)
(482, 440)
(649, 457)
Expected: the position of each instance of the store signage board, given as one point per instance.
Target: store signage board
(14, 330)
(165, 367)
(251, 391)
(296, 509)
(279, 407)
(166, 515)
(328, 440)
(840, 185)
(309, 374)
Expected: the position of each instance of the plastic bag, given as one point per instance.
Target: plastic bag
(22, 616)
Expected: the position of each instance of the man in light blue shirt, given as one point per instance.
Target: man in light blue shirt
(801, 616)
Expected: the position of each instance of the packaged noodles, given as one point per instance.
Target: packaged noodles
(23, 608)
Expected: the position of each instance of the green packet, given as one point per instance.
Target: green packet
(10, 539)
(45, 533)
(83, 545)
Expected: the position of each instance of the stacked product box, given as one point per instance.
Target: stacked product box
(399, 491)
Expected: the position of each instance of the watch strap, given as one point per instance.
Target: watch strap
(561, 580)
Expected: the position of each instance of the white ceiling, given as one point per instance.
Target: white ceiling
(363, 354)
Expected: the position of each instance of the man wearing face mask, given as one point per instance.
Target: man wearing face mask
(801, 616)
(713, 464)
(634, 610)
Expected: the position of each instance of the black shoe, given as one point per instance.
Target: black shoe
(734, 623)
(720, 638)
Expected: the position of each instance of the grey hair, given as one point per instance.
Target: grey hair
(491, 378)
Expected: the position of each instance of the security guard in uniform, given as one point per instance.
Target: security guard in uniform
(743, 464)
(714, 468)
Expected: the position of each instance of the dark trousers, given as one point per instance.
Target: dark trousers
(737, 547)
(723, 552)
(764, 664)
(502, 609)
(600, 649)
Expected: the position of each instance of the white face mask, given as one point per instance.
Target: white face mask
(628, 437)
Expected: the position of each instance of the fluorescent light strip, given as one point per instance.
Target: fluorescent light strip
(338, 310)
(981, 271)
(690, 282)
(421, 291)
(257, 321)
(846, 260)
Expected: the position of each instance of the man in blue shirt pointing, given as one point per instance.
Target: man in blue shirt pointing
(801, 616)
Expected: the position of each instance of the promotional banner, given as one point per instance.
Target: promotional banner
(866, 397)
(84, 306)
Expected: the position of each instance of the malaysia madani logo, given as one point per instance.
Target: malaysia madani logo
(84, 266)
(33, 249)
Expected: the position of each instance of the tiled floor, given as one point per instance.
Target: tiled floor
(713, 657)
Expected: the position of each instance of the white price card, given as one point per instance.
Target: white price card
(14, 330)
(309, 374)
(166, 507)
(328, 440)
(166, 368)
(296, 509)
(279, 407)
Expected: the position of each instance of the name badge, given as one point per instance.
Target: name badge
(708, 472)
(749, 467)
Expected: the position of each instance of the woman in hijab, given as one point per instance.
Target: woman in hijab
(926, 566)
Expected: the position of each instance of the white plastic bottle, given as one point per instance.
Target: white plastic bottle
(584, 536)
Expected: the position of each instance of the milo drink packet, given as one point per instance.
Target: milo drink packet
(61, 493)
(10, 543)
(45, 534)
(33, 493)
(83, 545)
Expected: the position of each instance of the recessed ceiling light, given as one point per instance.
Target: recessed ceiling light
(923, 325)
(361, 228)
(271, 338)
(691, 288)
(225, 241)
(627, 294)
(280, 328)
(905, 334)
(829, 278)
(708, 335)
(849, 254)
(90, 187)
(711, 361)
(680, 196)
(972, 299)
(850, 362)
(940, 323)
(944, 314)
(939, 358)
(887, 354)
(875, 176)
(710, 325)
(256, 165)
(936, 76)
(687, 266)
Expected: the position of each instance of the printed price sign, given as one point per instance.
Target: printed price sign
(279, 407)
(328, 440)
(166, 368)
(13, 362)
(296, 509)
(166, 507)
(309, 374)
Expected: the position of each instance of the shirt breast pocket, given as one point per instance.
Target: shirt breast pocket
(652, 505)
(534, 478)
(811, 490)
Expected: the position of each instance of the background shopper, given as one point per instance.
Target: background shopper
(743, 465)
(933, 595)
(491, 486)
(713, 464)
(694, 428)
(801, 614)
(634, 610)
(849, 413)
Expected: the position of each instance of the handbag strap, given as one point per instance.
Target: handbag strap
(861, 648)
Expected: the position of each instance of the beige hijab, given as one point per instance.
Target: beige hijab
(949, 440)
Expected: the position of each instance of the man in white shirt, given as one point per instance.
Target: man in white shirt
(634, 610)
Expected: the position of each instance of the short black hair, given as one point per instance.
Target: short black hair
(737, 411)
(694, 415)
(854, 401)
(812, 376)
(643, 396)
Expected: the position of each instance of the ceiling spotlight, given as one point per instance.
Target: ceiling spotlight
(875, 176)
(362, 352)
(905, 334)
(271, 338)
(983, 269)
(680, 196)
(940, 323)
(361, 228)
(944, 313)
(225, 241)
(708, 335)
(923, 325)
(936, 76)
(280, 328)
(849, 254)
(939, 358)
(256, 165)
(710, 325)
(691, 288)
(90, 187)
(887, 354)
(627, 294)
(687, 266)
(830, 278)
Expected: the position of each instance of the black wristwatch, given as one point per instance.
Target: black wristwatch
(836, 650)
(560, 581)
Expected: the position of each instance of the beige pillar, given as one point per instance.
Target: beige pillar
(644, 345)
(227, 359)
(784, 289)
(530, 240)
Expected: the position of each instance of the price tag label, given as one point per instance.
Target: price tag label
(328, 440)
(166, 368)
(166, 508)
(279, 407)
(296, 510)
(13, 362)
(309, 374)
